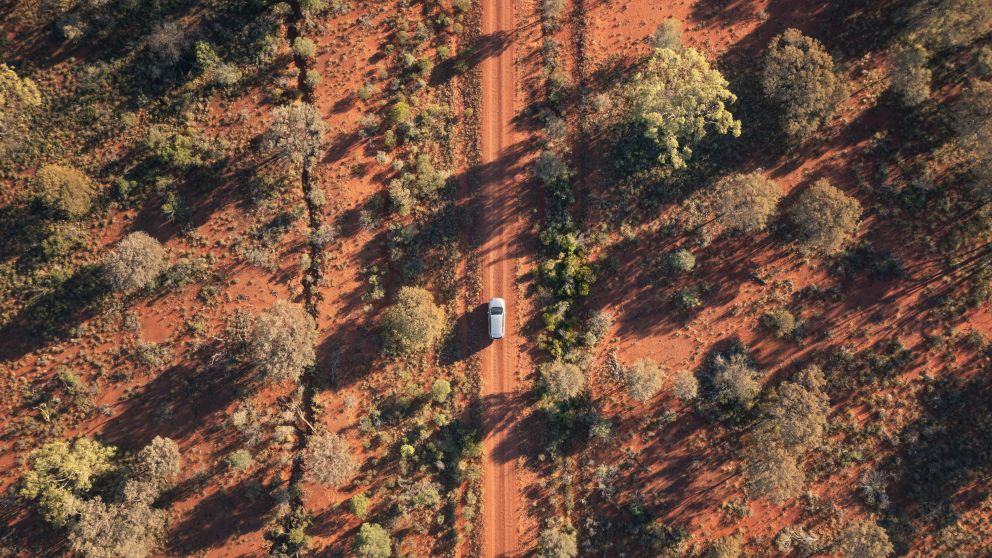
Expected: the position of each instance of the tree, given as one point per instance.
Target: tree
(17, 96)
(824, 217)
(129, 529)
(799, 418)
(773, 472)
(61, 473)
(676, 99)
(562, 380)
(297, 134)
(329, 460)
(735, 380)
(282, 342)
(643, 380)
(799, 75)
(413, 324)
(942, 24)
(558, 540)
(373, 541)
(64, 190)
(135, 263)
(909, 73)
(864, 539)
(745, 203)
(158, 463)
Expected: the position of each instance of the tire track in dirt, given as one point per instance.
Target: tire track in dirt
(504, 227)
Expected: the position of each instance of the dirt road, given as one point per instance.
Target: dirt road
(503, 216)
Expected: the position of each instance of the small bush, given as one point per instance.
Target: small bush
(359, 506)
(686, 386)
(304, 48)
(681, 261)
(239, 460)
(725, 547)
(687, 299)
(780, 322)
(400, 113)
(373, 541)
(64, 190)
(135, 263)
(735, 380)
(745, 203)
(668, 35)
(329, 460)
(864, 539)
(643, 380)
(562, 380)
(440, 390)
(558, 540)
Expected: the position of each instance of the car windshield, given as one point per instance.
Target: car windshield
(496, 311)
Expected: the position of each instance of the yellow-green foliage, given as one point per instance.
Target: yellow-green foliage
(16, 94)
(414, 323)
(678, 97)
(59, 473)
(65, 190)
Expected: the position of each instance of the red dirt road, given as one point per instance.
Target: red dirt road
(504, 225)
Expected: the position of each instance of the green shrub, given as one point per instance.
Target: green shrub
(64, 190)
(413, 324)
(676, 99)
(373, 541)
(400, 112)
(359, 506)
(61, 473)
(681, 260)
(440, 390)
(304, 48)
(239, 460)
(780, 322)
(687, 299)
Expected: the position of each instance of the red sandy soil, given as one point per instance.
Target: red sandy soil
(503, 214)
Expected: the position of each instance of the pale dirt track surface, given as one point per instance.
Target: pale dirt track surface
(503, 217)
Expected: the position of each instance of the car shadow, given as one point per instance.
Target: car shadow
(471, 335)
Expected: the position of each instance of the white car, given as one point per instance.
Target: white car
(497, 311)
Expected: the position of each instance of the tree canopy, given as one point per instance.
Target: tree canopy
(676, 99)
(799, 76)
